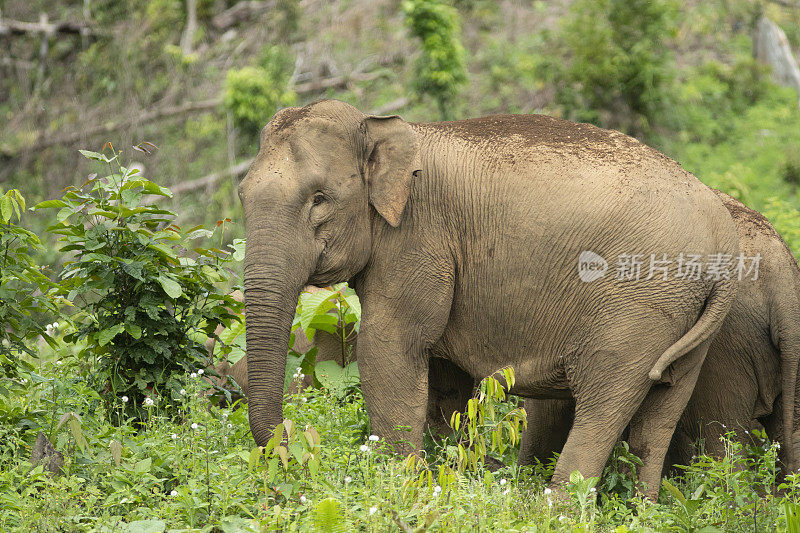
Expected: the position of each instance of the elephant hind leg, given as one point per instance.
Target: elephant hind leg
(606, 399)
(653, 425)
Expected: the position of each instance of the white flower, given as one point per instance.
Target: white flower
(194, 425)
(561, 518)
(373, 510)
(505, 492)
(193, 375)
(547, 490)
(200, 372)
(174, 436)
(303, 499)
(304, 399)
(148, 402)
(437, 489)
(183, 392)
(225, 414)
(592, 489)
(364, 448)
(124, 399)
(230, 426)
(374, 438)
(549, 502)
(173, 493)
(55, 325)
(503, 482)
(59, 363)
(301, 376)
(348, 479)
(778, 445)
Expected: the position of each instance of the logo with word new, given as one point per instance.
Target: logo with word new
(591, 266)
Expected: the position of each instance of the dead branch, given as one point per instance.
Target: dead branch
(45, 140)
(241, 12)
(784, 3)
(148, 116)
(392, 106)
(18, 27)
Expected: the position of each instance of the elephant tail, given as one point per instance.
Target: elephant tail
(790, 361)
(717, 306)
(787, 338)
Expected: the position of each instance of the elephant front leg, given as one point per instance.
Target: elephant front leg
(394, 380)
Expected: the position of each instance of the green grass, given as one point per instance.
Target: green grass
(191, 467)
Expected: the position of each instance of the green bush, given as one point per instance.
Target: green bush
(26, 294)
(612, 65)
(147, 303)
(440, 71)
(254, 93)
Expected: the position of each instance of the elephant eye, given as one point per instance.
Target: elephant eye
(318, 198)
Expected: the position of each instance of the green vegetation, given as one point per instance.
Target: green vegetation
(440, 67)
(618, 66)
(103, 318)
(145, 306)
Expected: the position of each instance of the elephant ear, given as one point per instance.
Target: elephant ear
(392, 160)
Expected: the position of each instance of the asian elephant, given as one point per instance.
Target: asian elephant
(749, 378)
(465, 240)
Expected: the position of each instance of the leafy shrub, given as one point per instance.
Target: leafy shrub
(295, 454)
(614, 67)
(336, 311)
(25, 292)
(440, 69)
(254, 93)
(713, 95)
(786, 220)
(142, 296)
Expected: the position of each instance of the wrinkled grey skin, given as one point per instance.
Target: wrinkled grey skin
(461, 240)
(749, 378)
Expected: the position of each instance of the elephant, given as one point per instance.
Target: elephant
(450, 387)
(749, 378)
(461, 244)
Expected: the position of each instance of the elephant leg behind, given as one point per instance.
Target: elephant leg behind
(449, 390)
(549, 422)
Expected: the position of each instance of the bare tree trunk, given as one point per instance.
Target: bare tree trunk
(43, 49)
(187, 39)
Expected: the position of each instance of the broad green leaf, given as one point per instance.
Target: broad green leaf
(314, 304)
(676, 493)
(145, 526)
(77, 432)
(93, 155)
(6, 209)
(50, 203)
(143, 466)
(170, 286)
(105, 336)
(116, 451)
(134, 330)
(354, 304)
(64, 214)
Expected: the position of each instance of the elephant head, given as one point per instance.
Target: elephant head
(325, 178)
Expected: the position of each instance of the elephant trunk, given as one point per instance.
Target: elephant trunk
(271, 293)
